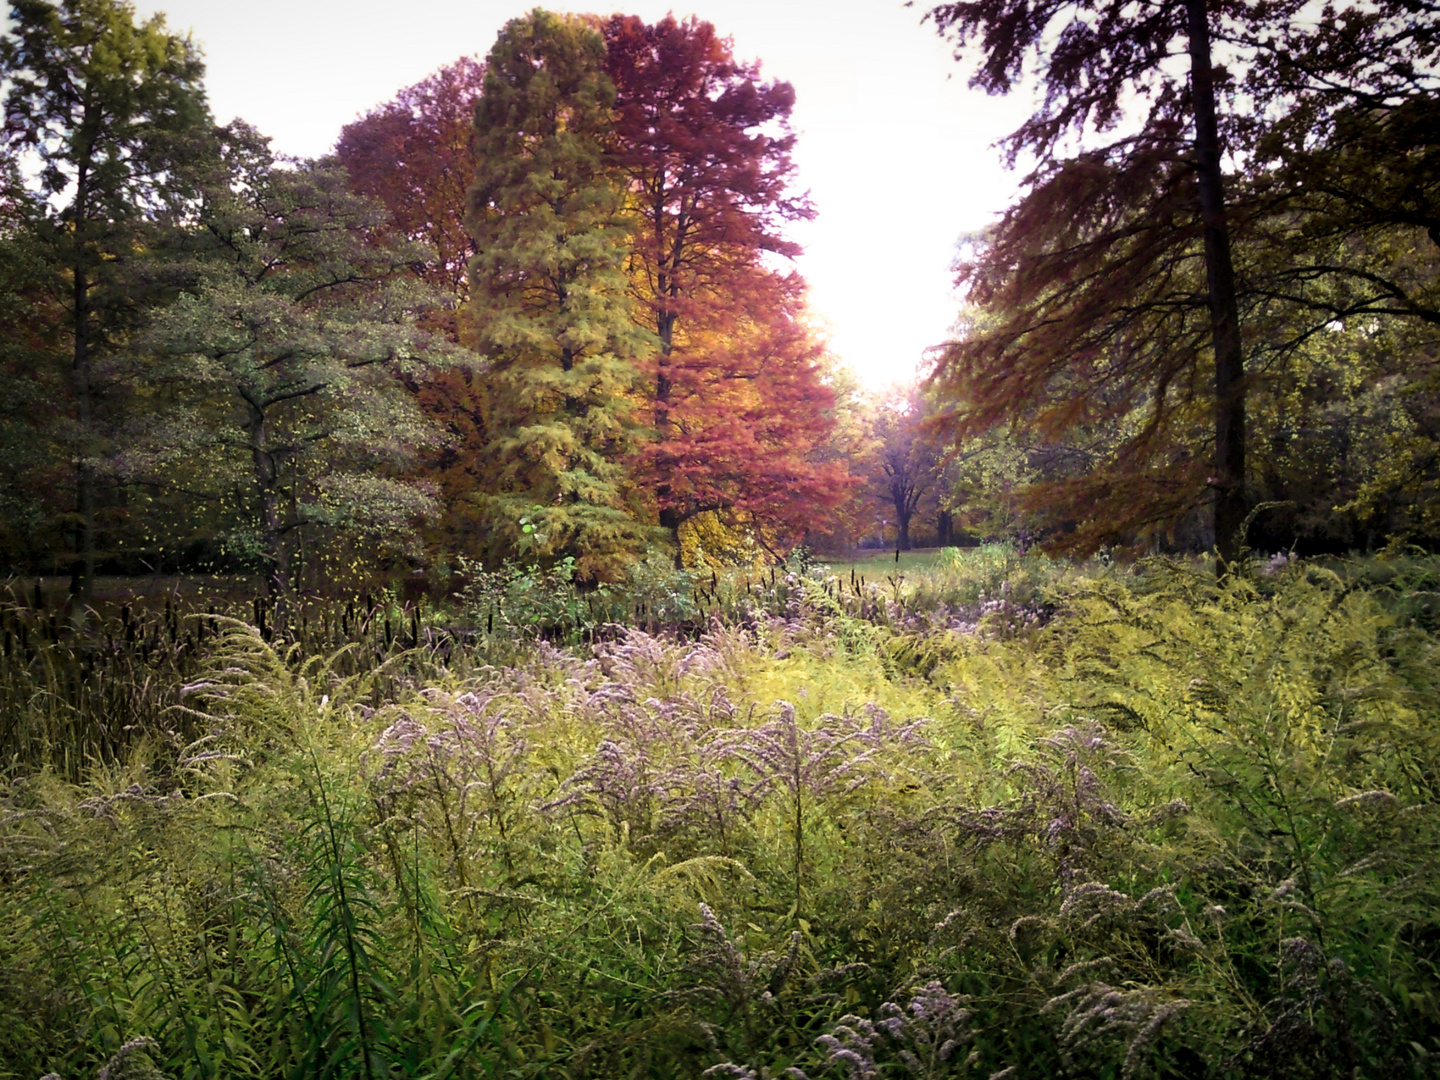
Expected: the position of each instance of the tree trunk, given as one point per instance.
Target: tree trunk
(82, 568)
(670, 520)
(272, 527)
(1229, 478)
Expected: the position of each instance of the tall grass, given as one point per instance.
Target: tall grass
(1169, 827)
(71, 701)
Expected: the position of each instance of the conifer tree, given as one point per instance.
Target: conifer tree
(1135, 295)
(108, 109)
(550, 300)
(705, 148)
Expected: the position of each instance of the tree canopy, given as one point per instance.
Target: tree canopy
(1108, 306)
(416, 154)
(282, 361)
(107, 110)
(736, 400)
(550, 297)
(251, 358)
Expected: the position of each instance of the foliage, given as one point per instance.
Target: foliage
(744, 427)
(549, 299)
(416, 154)
(1095, 337)
(1179, 827)
(906, 461)
(735, 391)
(33, 390)
(282, 365)
(107, 110)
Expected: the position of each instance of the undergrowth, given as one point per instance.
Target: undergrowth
(1117, 824)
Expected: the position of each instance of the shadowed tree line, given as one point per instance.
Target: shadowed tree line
(536, 308)
(527, 310)
(1216, 297)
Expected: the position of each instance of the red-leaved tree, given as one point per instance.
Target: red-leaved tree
(738, 403)
(746, 429)
(735, 394)
(416, 154)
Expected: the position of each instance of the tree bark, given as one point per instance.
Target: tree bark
(1229, 477)
(82, 568)
(272, 525)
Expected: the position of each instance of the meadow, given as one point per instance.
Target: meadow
(978, 815)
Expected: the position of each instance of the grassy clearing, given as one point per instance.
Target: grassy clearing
(879, 563)
(1065, 822)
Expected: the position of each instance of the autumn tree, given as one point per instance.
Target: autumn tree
(106, 109)
(704, 147)
(281, 364)
(904, 468)
(551, 300)
(1131, 289)
(746, 430)
(416, 154)
(848, 443)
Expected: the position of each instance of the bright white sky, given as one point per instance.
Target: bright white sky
(893, 147)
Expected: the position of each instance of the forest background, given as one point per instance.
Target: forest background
(185, 452)
(523, 734)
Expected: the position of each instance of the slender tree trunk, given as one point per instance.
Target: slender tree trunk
(82, 568)
(1229, 478)
(669, 518)
(272, 528)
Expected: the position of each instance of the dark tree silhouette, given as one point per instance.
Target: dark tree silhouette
(1135, 288)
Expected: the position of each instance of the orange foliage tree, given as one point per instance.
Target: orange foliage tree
(735, 395)
(738, 403)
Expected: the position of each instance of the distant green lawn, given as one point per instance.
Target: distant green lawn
(879, 563)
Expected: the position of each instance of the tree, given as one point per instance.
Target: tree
(416, 154)
(1345, 274)
(848, 442)
(282, 363)
(33, 395)
(704, 147)
(107, 110)
(1112, 281)
(746, 430)
(1350, 443)
(906, 462)
(550, 300)
(1101, 258)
